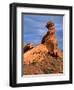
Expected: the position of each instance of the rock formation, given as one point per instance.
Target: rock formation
(45, 57)
(50, 40)
(27, 47)
(36, 54)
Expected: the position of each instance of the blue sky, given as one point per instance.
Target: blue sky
(34, 28)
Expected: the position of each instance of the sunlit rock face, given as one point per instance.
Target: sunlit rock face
(50, 40)
(37, 54)
(45, 57)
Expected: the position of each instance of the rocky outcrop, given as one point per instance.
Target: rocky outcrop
(44, 58)
(39, 61)
(48, 65)
(36, 54)
(27, 47)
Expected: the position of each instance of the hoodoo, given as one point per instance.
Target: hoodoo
(50, 40)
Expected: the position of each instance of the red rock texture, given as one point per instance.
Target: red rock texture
(36, 54)
(44, 58)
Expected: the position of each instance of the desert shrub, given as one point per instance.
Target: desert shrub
(34, 62)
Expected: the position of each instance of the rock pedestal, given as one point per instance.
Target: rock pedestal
(50, 40)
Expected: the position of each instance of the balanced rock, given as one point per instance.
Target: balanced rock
(50, 40)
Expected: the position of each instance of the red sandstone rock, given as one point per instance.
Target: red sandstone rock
(50, 40)
(35, 54)
(45, 57)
